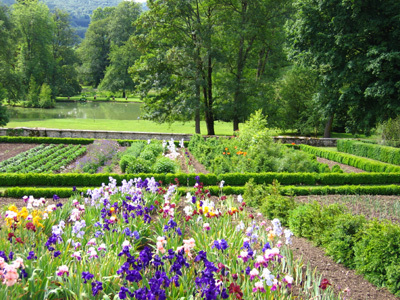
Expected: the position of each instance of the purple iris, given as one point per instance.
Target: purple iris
(87, 276)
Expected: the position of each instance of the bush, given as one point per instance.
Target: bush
(254, 193)
(339, 239)
(378, 252)
(148, 155)
(138, 165)
(311, 220)
(277, 206)
(165, 165)
(45, 98)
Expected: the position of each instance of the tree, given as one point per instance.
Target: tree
(35, 27)
(252, 34)
(354, 45)
(294, 93)
(180, 40)
(3, 110)
(64, 80)
(123, 52)
(95, 47)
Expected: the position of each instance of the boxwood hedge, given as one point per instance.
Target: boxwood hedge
(386, 154)
(351, 160)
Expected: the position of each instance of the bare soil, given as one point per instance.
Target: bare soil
(8, 150)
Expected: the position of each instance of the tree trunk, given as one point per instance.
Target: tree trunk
(123, 94)
(210, 101)
(328, 127)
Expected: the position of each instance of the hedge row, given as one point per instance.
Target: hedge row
(44, 140)
(19, 192)
(378, 152)
(232, 179)
(53, 140)
(351, 160)
(79, 179)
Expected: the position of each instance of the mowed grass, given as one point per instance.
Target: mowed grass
(221, 128)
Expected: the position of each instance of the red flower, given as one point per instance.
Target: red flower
(235, 289)
(324, 284)
(19, 240)
(156, 202)
(223, 197)
(243, 203)
(187, 218)
(251, 216)
(30, 226)
(11, 235)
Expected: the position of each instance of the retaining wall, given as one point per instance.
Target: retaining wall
(130, 135)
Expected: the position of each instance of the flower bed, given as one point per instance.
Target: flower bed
(139, 241)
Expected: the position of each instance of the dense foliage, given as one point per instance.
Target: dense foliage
(253, 150)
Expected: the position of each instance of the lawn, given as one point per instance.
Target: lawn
(221, 128)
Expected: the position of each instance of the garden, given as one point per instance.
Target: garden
(235, 217)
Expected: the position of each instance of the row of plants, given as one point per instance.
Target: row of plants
(140, 241)
(371, 247)
(100, 155)
(53, 140)
(386, 154)
(148, 157)
(232, 179)
(18, 192)
(42, 159)
(351, 160)
(253, 150)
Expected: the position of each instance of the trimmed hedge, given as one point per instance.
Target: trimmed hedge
(232, 179)
(351, 160)
(378, 152)
(18, 192)
(44, 140)
(74, 141)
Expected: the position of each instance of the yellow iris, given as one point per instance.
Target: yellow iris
(13, 208)
(23, 213)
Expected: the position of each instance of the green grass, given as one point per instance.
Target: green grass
(221, 128)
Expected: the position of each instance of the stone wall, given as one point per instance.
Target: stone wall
(129, 135)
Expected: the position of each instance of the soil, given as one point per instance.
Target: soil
(198, 167)
(345, 168)
(8, 150)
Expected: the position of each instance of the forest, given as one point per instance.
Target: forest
(311, 66)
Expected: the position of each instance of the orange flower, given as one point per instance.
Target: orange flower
(226, 148)
(229, 153)
(235, 147)
(223, 153)
(293, 144)
(245, 153)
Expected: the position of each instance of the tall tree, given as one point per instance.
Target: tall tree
(95, 47)
(123, 52)
(9, 78)
(252, 33)
(184, 31)
(354, 45)
(35, 27)
(65, 78)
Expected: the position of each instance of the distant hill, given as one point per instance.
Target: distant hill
(79, 10)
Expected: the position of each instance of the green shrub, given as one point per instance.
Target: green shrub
(138, 165)
(165, 165)
(311, 220)
(339, 239)
(148, 155)
(254, 193)
(274, 205)
(125, 161)
(377, 252)
(155, 147)
(336, 169)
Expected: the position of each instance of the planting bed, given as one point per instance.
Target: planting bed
(8, 150)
